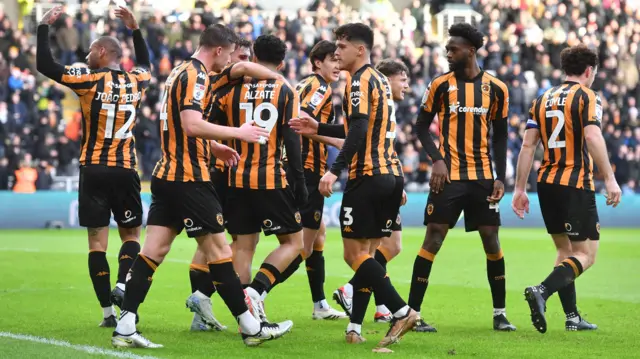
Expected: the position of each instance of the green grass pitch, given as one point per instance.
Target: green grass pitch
(45, 292)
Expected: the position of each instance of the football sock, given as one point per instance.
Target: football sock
(322, 304)
(562, 275)
(226, 280)
(201, 280)
(349, 288)
(266, 278)
(496, 276)
(371, 274)
(292, 268)
(248, 324)
(108, 312)
(100, 277)
(316, 275)
(353, 327)
(567, 296)
(420, 278)
(382, 259)
(361, 298)
(138, 285)
(128, 252)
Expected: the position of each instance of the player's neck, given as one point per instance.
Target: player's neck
(271, 67)
(470, 72)
(575, 79)
(358, 64)
(319, 73)
(205, 59)
(114, 66)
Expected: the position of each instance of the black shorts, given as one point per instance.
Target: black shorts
(191, 205)
(104, 190)
(570, 211)
(468, 196)
(220, 181)
(254, 210)
(397, 224)
(311, 212)
(370, 206)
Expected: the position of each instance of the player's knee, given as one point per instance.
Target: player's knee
(490, 240)
(434, 239)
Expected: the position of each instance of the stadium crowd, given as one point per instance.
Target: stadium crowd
(523, 43)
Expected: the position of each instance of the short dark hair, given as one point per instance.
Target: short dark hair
(217, 36)
(320, 51)
(575, 59)
(269, 49)
(242, 42)
(391, 67)
(355, 31)
(467, 32)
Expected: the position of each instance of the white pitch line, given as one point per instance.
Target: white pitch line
(82, 348)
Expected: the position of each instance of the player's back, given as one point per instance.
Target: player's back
(270, 104)
(368, 94)
(184, 158)
(109, 100)
(561, 113)
(315, 99)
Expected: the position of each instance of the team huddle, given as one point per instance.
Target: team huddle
(245, 152)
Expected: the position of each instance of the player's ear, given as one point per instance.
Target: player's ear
(280, 66)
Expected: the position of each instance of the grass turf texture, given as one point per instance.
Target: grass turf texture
(45, 291)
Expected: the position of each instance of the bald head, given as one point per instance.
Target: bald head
(111, 45)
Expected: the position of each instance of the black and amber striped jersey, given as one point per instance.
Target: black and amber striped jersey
(466, 109)
(368, 95)
(109, 101)
(315, 99)
(218, 81)
(270, 104)
(184, 158)
(560, 114)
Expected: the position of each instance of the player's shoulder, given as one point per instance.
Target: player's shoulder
(587, 92)
(440, 80)
(495, 82)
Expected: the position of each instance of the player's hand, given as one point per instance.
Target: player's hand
(439, 175)
(301, 193)
(228, 155)
(520, 203)
(498, 192)
(127, 18)
(252, 134)
(326, 184)
(613, 192)
(404, 198)
(304, 125)
(52, 15)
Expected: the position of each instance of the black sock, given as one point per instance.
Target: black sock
(562, 276)
(380, 258)
(567, 296)
(245, 286)
(420, 278)
(201, 280)
(361, 299)
(315, 273)
(371, 274)
(228, 285)
(128, 252)
(100, 277)
(292, 268)
(267, 277)
(496, 276)
(139, 283)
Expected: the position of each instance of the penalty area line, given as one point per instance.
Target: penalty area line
(82, 348)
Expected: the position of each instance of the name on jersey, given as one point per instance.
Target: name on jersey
(454, 108)
(111, 97)
(556, 101)
(260, 91)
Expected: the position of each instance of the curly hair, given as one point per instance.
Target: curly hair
(269, 49)
(467, 32)
(575, 60)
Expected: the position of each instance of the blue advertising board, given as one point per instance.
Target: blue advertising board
(40, 209)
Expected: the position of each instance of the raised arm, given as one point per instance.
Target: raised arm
(45, 64)
(139, 45)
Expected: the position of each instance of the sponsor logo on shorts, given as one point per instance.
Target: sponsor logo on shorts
(430, 208)
(569, 228)
(317, 215)
(389, 223)
(188, 223)
(267, 223)
(128, 215)
(220, 219)
(298, 218)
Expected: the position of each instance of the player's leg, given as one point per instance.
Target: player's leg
(244, 249)
(572, 212)
(95, 214)
(126, 204)
(202, 289)
(388, 249)
(219, 257)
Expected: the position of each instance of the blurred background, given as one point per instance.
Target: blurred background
(40, 122)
